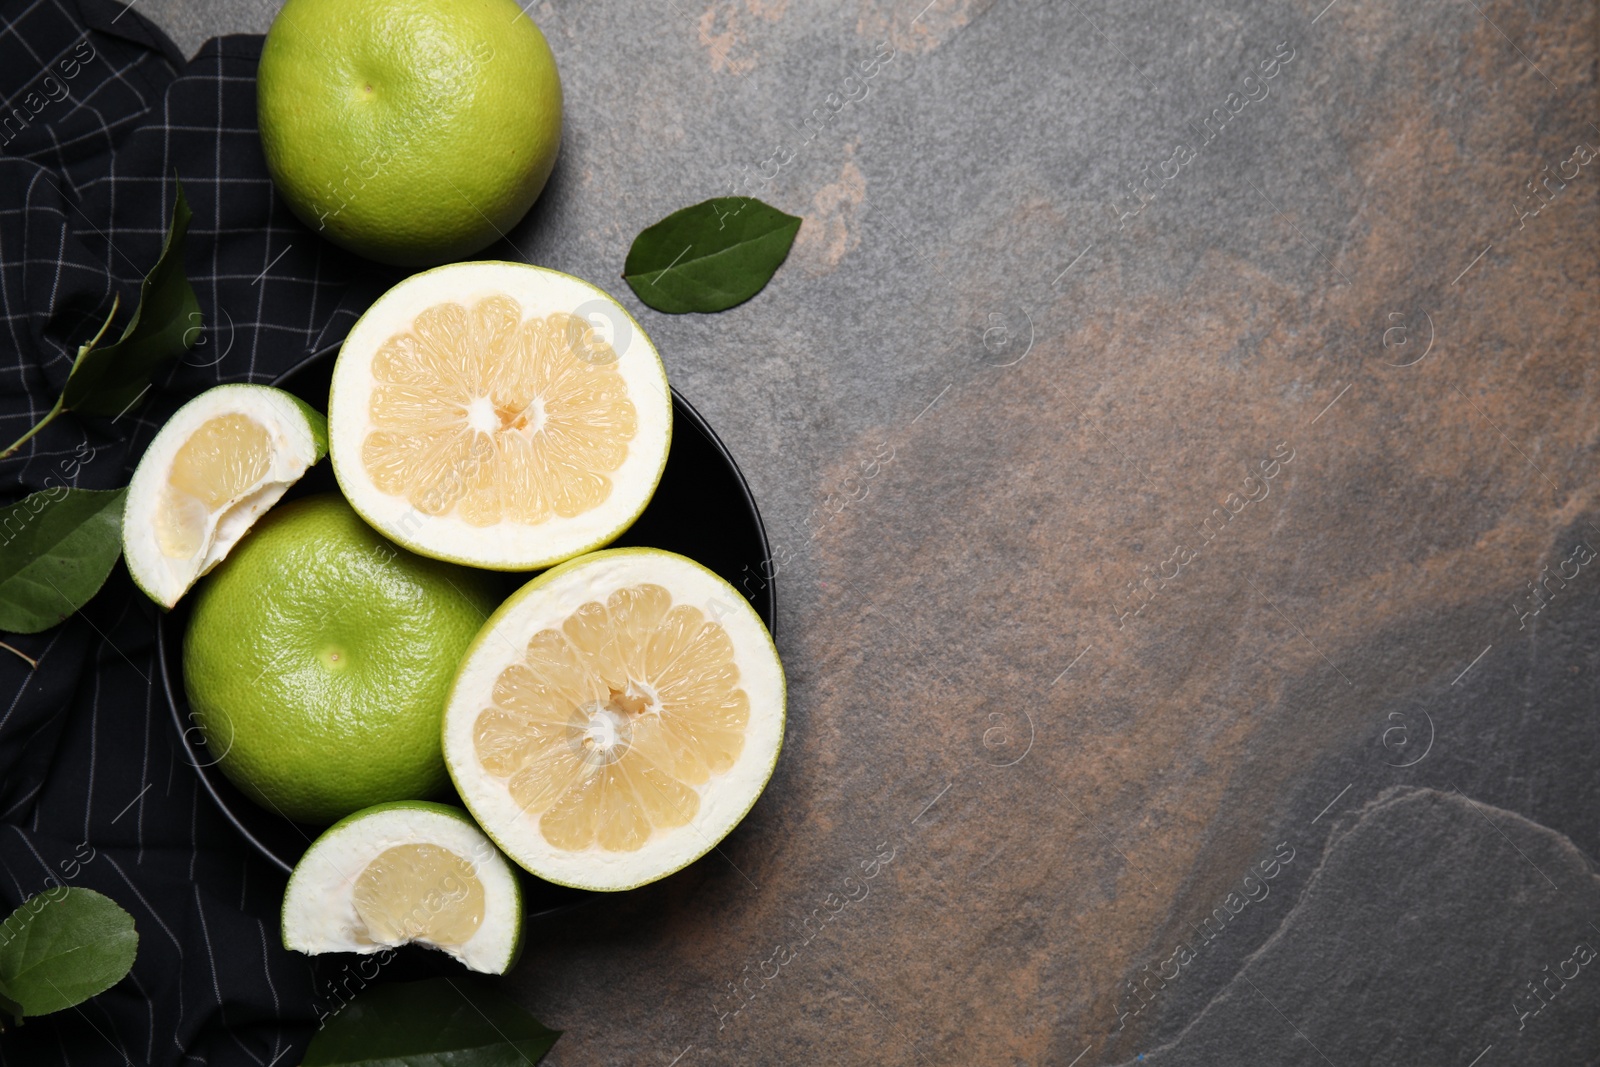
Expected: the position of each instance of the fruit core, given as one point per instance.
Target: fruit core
(607, 727)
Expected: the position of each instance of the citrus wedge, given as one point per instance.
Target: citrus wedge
(498, 415)
(217, 465)
(615, 718)
(406, 872)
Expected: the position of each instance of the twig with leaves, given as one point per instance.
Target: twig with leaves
(61, 543)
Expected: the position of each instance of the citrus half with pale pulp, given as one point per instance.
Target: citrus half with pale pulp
(498, 415)
(616, 718)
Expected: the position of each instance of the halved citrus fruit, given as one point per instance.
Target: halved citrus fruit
(499, 415)
(406, 872)
(217, 465)
(616, 718)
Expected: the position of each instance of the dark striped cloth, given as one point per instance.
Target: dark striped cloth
(100, 114)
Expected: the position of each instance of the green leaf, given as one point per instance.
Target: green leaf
(56, 548)
(62, 947)
(442, 1022)
(109, 381)
(709, 257)
(12, 1009)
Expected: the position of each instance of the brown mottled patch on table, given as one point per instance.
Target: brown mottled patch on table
(914, 27)
(722, 36)
(831, 229)
(725, 32)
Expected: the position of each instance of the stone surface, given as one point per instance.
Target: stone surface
(1389, 960)
(990, 395)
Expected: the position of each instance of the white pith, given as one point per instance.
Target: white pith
(294, 450)
(507, 545)
(319, 913)
(724, 800)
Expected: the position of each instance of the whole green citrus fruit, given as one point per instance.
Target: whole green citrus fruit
(318, 660)
(410, 131)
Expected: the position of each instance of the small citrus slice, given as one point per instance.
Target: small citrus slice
(217, 465)
(410, 871)
(616, 718)
(498, 415)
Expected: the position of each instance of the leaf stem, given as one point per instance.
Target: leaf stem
(50, 416)
(84, 350)
(33, 663)
(61, 401)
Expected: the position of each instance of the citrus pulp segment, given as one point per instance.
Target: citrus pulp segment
(217, 465)
(405, 872)
(499, 415)
(616, 718)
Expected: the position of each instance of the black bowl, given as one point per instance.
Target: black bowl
(703, 509)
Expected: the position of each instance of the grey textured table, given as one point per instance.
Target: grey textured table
(1182, 485)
